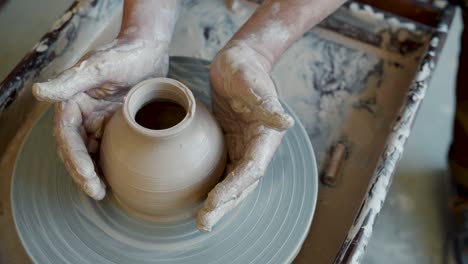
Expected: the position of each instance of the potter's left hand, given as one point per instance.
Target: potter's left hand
(246, 104)
(89, 93)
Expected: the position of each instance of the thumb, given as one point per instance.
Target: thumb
(79, 78)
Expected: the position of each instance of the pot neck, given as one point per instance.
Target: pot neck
(159, 89)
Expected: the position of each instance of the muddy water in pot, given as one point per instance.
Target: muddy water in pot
(160, 114)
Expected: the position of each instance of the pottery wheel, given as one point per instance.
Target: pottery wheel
(57, 223)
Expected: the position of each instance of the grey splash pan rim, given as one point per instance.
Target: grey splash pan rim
(352, 247)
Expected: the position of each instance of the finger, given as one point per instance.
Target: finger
(258, 101)
(207, 219)
(79, 78)
(109, 92)
(242, 176)
(95, 123)
(271, 114)
(235, 146)
(268, 112)
(70, 136)
(261, 147)
(97, 114)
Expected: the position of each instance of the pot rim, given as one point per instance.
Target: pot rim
(159, 88)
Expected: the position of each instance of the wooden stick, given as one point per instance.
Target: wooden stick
(331, 174)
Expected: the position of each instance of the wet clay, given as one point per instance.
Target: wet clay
(160, 114)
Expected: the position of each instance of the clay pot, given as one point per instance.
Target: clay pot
(162, 173)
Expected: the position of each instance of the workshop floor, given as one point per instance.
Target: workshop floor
(412, 226)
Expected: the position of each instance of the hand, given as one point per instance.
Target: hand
(89, 93)
(246, 104)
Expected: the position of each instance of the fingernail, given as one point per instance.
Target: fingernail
(280, 121)
(45, 92)
(37, 91)
(286, 121)
(202, 222)
(95, 190)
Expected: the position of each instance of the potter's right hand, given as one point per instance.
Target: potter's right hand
(89, 93)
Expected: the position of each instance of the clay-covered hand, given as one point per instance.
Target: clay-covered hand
(89, 93)
(246, 104)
